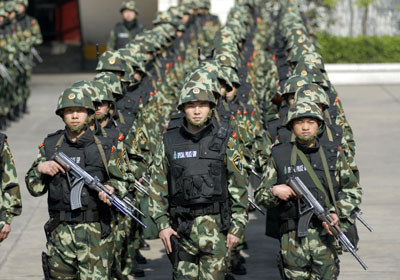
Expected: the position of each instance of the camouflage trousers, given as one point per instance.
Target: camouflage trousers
(310, 257)
(208, 243)
(123, 231)
(76, 251)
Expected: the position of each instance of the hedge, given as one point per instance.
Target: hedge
(361, 49)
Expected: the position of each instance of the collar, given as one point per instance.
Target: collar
(84, 140)
(307, 150)
(198, 135)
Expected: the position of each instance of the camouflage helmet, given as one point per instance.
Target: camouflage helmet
(104, 92)
(314, 60)
(112, 82)
(197, 88)
(312, 93)
(296, 53)
(143, 42)
(88, 87)
(163, 17)
(75, 97)
(304, 110)
(204, 4)
(129, 5)
(314, 74)
(111, 61)
(206, 72)
(2, 9)
(23, 2)
(11, 6)
(226, 58)
(295, 82)
(233, 77)
(134, 59)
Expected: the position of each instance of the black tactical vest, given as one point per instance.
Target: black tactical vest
(123, 35)
(129, 104)
(282, 155)
(86, 154)
(275, 125)
(197, 173)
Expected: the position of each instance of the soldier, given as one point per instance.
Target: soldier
(79, 242)
(324, 170)
(10, 197)
(126, 30)
(30, 37)
(198, 193)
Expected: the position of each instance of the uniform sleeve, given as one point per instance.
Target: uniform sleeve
(34, 179)
(37, 38)
(263, 194)
(349, 196)
(158, 190)
(11, 204)
(237, 187)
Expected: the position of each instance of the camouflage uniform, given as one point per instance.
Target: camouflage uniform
(124, 32)
(79, 243)
(314, 256)
(202, 236)
(10, 197)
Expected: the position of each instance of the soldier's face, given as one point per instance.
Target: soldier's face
(128, 15)
(21, 8)
(305, 128)
(185, 18)
(102, 109)
(196, 112)
(75, 116)
(231, 94)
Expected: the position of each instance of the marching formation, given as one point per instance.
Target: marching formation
(184, 129)
(19, 36)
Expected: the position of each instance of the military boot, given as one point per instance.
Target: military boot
(140, 258)
(237, 266)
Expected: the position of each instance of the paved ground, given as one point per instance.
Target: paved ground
(373, 112)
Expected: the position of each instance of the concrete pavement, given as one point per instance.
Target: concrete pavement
(373, 112)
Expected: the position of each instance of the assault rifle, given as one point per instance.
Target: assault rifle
(81, 177)
(18, 66)
(253, 204)
(4, 73)
(36, 54)
(141, 187)
(314, 207)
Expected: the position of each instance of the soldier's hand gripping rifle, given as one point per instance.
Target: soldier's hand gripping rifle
(314, 207)
(82, 177)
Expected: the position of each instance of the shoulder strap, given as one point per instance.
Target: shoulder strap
(102, 154)
(60, 141)
(328, 177)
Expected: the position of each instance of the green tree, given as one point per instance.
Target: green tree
(364, 4)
